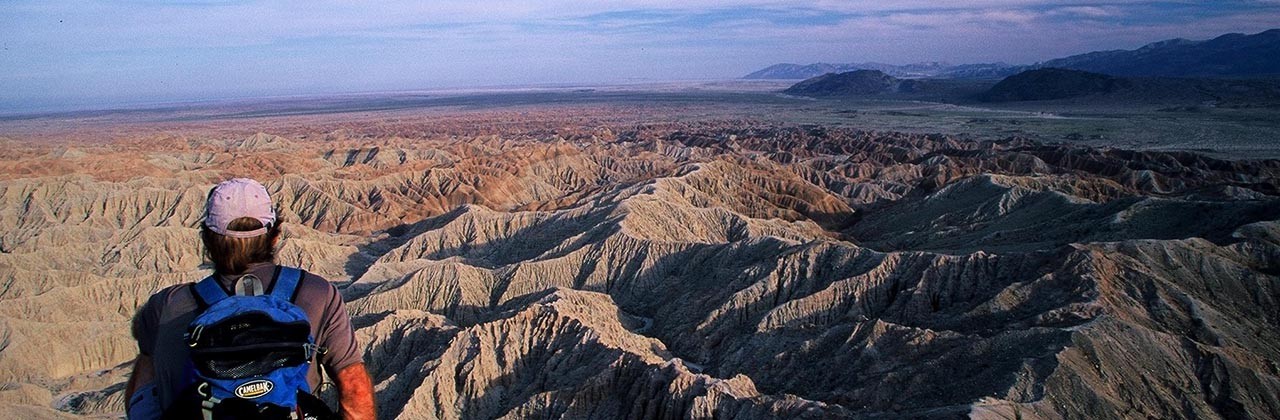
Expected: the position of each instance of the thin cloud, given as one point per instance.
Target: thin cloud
(1087, 11)
(195, 49)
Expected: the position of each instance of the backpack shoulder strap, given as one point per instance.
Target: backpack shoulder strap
(288, 281)
(208, 292)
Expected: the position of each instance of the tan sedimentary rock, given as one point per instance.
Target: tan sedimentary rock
(568, 266)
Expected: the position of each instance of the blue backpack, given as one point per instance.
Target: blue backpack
(250, 354)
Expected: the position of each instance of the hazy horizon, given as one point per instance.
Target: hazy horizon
(61, 57)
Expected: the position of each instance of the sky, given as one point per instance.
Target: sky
(74, 54)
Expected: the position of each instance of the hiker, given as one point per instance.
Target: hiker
(253, 336)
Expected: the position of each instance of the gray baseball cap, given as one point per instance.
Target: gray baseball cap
(236, 198)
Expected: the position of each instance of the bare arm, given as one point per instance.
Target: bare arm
(143, 373)
(355, 393)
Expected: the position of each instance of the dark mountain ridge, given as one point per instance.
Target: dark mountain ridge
(1047, 84)
(786, 71)
(1230, 55)
(857, 82)
(1055, 83)
(877, 83)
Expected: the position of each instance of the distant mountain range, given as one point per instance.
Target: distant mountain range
(1230, 55)
(1055, 83)
(917, 70)
(1046, 84)
(1227, 55)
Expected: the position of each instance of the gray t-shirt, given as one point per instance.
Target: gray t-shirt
(161, 323)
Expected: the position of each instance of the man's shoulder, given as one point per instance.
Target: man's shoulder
(315, 281)
(163, 296)
(318, 297)
(315, 289)
(163, 305)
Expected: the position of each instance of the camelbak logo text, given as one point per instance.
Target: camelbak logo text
(255, 389)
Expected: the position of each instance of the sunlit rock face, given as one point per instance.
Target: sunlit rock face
(570, 265)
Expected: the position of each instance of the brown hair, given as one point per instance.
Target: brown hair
(233, 255)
